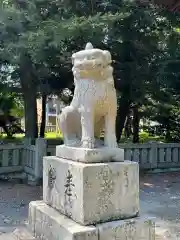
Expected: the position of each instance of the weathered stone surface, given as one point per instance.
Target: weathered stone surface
(48, 224)
(23, 234)
(140, 228)
(87, 155)
(92, 193)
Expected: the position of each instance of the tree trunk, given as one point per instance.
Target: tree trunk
(128, 126)
(43, 117)
(136, 120)
(29, 84)
(122, 113)
(30, 107)
(168, 132)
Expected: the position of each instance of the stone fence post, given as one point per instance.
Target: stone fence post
(154, 155)
(41, 149)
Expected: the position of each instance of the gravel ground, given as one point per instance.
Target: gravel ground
(159, 195)
(160, 198)
(14, 201)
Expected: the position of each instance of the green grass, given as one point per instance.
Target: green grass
(49, 135)
(144, 137)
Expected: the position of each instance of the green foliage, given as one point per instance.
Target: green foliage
(144, 42)
(6, 103)
(144, 137)
(18, 108)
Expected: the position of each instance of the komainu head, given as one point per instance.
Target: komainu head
(91, 63)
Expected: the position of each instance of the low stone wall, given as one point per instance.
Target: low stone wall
(25, 160)
(149, 155)
(22, 161)
(153, 155)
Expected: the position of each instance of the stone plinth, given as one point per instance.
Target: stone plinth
(92, 193)
(86, 155)
(140, 228)
(46, 223)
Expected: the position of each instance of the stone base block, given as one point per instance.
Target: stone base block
(46, 223)
(87, 155)
(140, 228)
(91, 193)
(22, 234)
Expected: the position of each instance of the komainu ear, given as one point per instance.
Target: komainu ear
(107, 57)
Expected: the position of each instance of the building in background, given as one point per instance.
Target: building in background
(53, 108)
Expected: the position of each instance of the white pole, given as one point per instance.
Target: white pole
(57, 113)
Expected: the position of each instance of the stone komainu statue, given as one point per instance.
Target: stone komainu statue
(94, 104)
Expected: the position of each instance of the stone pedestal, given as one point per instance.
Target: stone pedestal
(47, 224)
(86, 155)
(89, 200)
(92, 193)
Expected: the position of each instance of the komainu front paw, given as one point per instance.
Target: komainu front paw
(88, 144)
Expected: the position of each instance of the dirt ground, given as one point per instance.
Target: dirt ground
(159, 198)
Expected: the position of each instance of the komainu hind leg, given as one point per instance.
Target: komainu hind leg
(69, 121)
(110, 134)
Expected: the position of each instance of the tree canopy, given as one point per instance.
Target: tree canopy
(38, 37)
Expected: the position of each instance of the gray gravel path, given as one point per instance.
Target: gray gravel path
(14, 201)
(159, 198)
